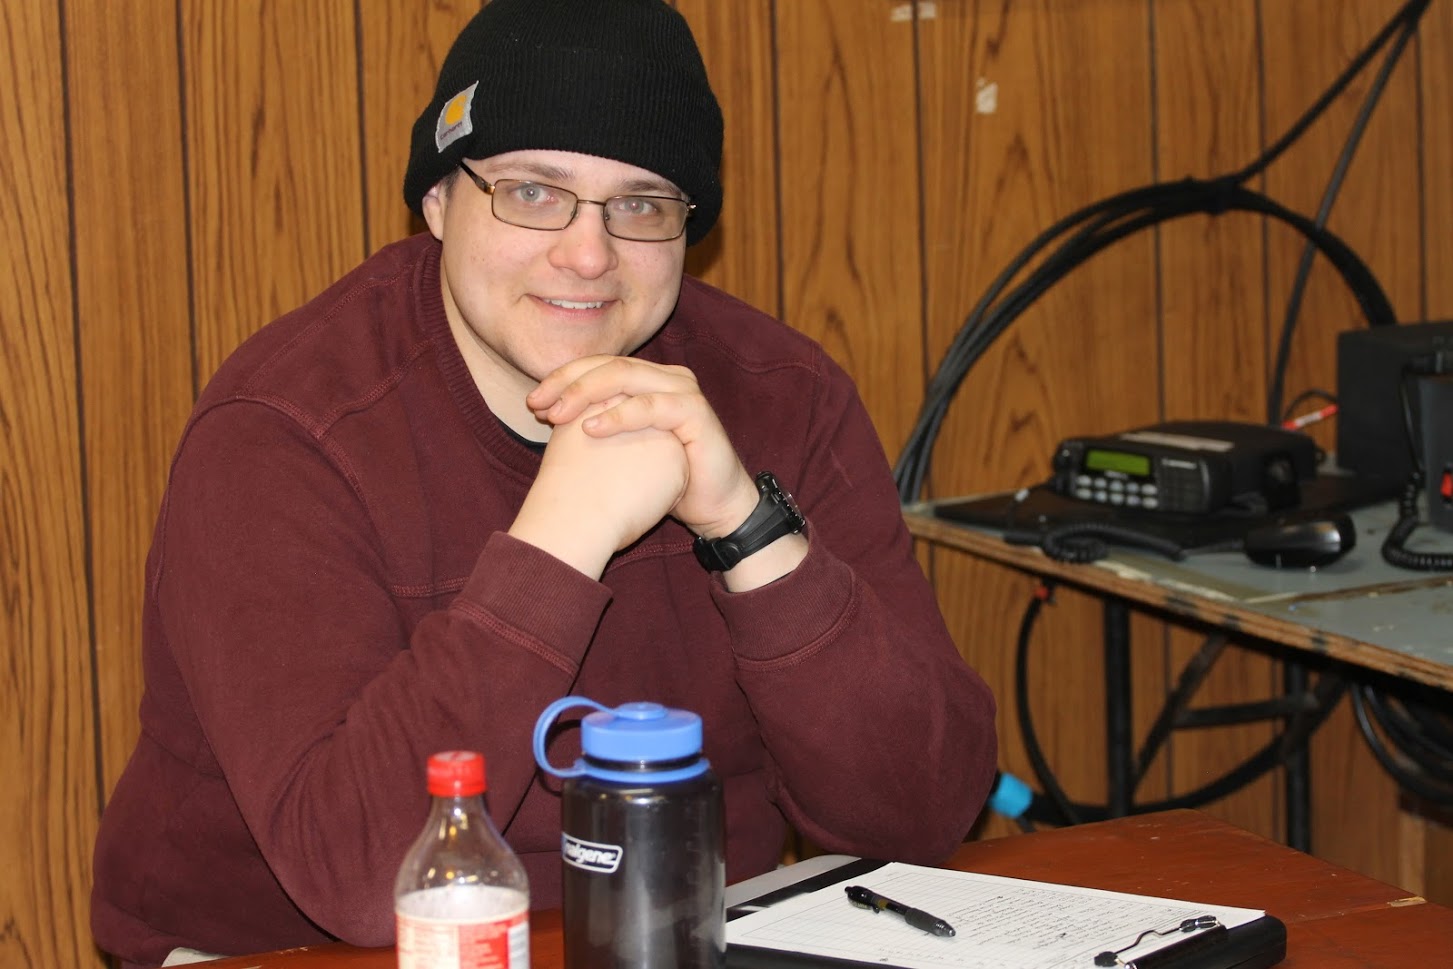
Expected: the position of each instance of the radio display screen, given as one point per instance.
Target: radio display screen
(1098, 459)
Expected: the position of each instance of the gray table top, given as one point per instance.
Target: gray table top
(1359, 609)
(1359, 596)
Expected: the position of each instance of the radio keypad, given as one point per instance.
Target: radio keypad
(1121, 491)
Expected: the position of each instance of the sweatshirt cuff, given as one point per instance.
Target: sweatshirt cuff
(532, 594)
(797, 612)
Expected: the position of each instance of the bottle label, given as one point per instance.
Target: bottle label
(590, 855)
(463, 927)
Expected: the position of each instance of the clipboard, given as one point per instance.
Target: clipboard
(1256, 944)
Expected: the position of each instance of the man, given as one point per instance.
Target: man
(510, 459)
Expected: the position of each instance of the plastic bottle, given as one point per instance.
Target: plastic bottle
(642, 824)
(461, 899)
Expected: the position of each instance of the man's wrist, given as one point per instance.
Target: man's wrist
(774, 516)
(743, 503)
(577, 547)
(774, 562)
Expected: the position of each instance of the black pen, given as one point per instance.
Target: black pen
(915, 917)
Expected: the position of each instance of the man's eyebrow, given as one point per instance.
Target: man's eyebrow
(555, 175)
(537, 171)
(651, 186)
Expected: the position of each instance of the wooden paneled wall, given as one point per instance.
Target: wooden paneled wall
(178, 173)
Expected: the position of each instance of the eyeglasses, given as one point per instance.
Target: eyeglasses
(532, 205)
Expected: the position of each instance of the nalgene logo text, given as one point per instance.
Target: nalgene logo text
(589, 855)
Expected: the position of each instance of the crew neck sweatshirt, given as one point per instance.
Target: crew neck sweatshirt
(331, 597)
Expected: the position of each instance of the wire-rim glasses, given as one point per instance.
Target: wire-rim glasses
(535, 205)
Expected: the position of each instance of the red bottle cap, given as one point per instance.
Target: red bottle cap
(456, 773)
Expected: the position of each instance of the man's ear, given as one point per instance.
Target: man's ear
(434, 204)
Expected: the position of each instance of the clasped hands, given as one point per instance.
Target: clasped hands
(632, 442)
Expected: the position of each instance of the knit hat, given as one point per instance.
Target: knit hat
(621, 79)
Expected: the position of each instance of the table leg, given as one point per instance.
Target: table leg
(1119, 755)
(1298, 766)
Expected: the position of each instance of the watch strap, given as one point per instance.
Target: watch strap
(776, 515)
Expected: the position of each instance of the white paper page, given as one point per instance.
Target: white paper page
(1002, 923)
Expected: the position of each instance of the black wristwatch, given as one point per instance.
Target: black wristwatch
(776, 515)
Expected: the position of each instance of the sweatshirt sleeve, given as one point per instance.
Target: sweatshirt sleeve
(318, 706)
(882, 738)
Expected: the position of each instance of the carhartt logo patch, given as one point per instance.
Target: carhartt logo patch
(456, 119)
(589, 855)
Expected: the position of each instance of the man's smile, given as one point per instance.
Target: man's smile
(572, 304)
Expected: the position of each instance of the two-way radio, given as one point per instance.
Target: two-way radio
(1188, 467)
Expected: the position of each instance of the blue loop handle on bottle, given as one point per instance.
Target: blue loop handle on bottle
(542, 727)
(633, 733)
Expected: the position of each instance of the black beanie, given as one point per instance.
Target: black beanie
(621, 79)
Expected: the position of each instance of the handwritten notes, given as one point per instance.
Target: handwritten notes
(1002, 923)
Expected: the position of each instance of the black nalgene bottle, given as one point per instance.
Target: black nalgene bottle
(642, 823)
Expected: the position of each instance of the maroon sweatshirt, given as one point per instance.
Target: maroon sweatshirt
(331, 597)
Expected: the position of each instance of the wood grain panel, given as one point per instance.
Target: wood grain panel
(1306, 44)
(1435, 64)
(1437, 860)
(1208, 123)
(849, 212)
(272, 137)
(907, 176)
(741, 255)
(134, 319)
(984, 202)
(48, 816)
(1212, 334)
(402, 47)
(1030, 111)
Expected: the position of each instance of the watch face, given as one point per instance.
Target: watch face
(791, 503)
(781, 496)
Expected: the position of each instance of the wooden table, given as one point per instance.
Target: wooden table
(1335, 918)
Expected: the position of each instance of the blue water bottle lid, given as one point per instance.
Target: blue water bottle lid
(641, 732)
(629, 743)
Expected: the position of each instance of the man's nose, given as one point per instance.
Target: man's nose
(584, 246)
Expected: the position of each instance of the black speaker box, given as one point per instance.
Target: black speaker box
(1372, 437)
(1435, 415)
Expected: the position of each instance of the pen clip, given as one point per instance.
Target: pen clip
(1111, 957)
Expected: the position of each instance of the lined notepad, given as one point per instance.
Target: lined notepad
(1002, 923)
